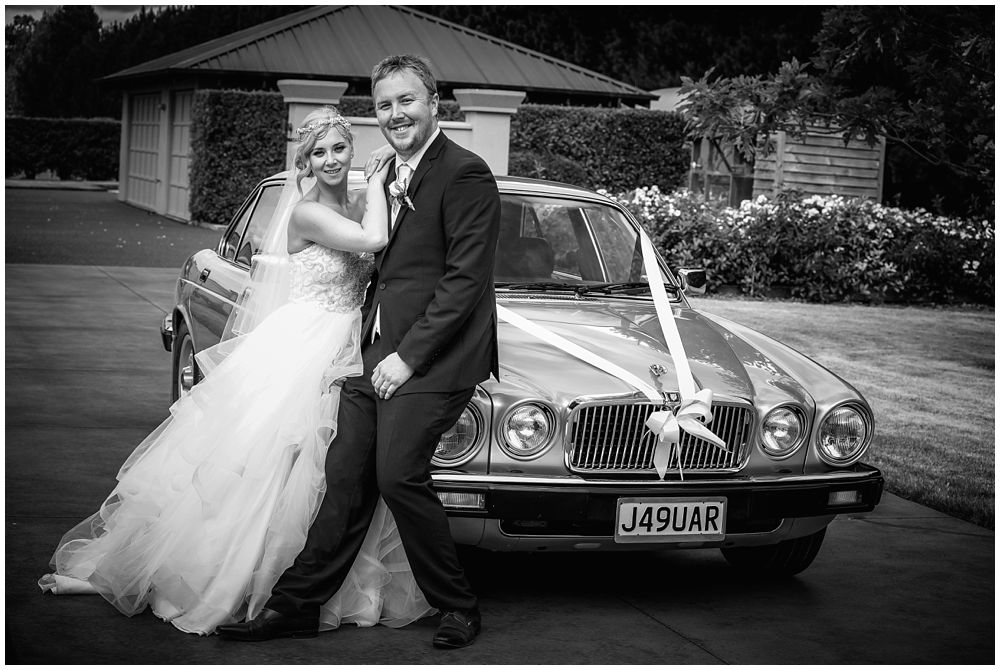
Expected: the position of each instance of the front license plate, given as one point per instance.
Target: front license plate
(670, 519)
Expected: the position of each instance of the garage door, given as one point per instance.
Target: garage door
(143, 147)
(180, 149)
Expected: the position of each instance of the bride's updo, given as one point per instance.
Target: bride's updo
(314, 127)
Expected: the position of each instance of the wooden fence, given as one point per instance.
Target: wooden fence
(812, 164)
(818, 164)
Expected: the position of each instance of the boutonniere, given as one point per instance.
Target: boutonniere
(397, 191)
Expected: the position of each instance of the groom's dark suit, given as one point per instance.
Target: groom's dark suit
(433, 288)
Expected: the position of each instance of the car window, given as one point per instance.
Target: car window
(259, 219)
(566, 241)
(557, 228)
(231, 241)
(618, 244)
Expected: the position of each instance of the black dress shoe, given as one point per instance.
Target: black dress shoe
(269, 625)
(458, 629)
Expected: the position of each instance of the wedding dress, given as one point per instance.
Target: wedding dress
(216, 502)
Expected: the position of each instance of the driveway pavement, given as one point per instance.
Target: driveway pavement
(87, 379)
(89, 226)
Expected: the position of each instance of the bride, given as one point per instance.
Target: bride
(216, 502)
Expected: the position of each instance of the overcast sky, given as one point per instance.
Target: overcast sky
(107, 13)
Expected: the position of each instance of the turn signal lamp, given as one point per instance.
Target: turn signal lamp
(462, 500)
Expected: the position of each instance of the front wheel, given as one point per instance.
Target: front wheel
(777, 560)
(186, 373)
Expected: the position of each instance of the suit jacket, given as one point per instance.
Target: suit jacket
(433, 281)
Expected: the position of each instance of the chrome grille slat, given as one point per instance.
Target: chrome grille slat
(635, 451)
(728, 425)
(608, 441)
(612, 438)
(590, 450)
(629, 419)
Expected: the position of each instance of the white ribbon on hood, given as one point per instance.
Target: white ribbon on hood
(665, 423)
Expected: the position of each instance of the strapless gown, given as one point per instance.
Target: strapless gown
(216, 502)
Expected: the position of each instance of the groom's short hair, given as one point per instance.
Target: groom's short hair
(418, 65)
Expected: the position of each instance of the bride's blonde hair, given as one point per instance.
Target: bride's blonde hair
(314, 127)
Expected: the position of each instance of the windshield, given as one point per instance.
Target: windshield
(551, 242)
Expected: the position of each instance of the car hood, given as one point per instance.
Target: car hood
(626, 332)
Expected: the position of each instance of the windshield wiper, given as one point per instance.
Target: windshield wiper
(633, 287)
(538, 286)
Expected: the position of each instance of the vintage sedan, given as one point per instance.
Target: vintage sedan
(556, 454)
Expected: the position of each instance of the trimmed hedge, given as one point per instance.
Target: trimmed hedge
(72, 148)
(615, 149)
(237, 138)
(546, 166)
(823, 248)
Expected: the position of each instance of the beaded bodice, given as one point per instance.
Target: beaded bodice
(335, 280)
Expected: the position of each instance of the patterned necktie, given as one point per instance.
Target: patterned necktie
(403, 173)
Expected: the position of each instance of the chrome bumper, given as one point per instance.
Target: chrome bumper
(534, 514)
(167, 331)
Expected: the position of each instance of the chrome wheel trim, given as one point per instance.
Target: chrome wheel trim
(185, 368)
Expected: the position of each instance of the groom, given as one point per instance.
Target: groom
(429, 337)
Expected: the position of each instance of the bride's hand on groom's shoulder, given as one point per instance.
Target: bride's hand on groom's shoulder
(377, 178)
(378, 161)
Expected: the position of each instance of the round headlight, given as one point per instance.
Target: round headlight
(843, 435)
(781, 432)
(526, 430)
(458, 443)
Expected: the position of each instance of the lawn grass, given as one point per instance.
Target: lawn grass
(928, 374)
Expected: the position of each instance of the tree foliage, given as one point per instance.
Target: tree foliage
(922, 77)
(54, 63)
(17, 33)
(650, 46)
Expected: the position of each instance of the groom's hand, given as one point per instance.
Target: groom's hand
(391, 373)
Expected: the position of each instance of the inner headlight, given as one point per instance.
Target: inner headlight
(526, 430)
(781, 432)
(843, 435)
(458, 444)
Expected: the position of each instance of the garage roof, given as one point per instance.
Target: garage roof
(342, 43)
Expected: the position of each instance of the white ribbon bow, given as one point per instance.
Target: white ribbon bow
(667, 425)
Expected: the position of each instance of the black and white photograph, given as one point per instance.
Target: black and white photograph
(419, 334)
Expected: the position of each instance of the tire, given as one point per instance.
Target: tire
(777, 560)
(185, 367)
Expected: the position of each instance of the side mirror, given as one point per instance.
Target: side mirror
(693, 280)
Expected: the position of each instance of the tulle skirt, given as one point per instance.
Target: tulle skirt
(216, 502)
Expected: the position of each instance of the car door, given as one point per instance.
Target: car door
(220, 274)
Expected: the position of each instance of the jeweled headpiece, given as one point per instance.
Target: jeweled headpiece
(323, 125)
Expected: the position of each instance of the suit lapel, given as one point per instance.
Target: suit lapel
(426, 164)
(391, 177)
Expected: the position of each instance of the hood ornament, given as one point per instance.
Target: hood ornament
(656, 371)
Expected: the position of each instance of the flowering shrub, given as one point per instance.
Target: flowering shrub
(688, 231)
(822, 248)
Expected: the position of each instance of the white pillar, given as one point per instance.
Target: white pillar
(489, 112)
(301, 97)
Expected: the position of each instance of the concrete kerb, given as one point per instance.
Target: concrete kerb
(62, 184)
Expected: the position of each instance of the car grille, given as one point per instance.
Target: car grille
(613, 438)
